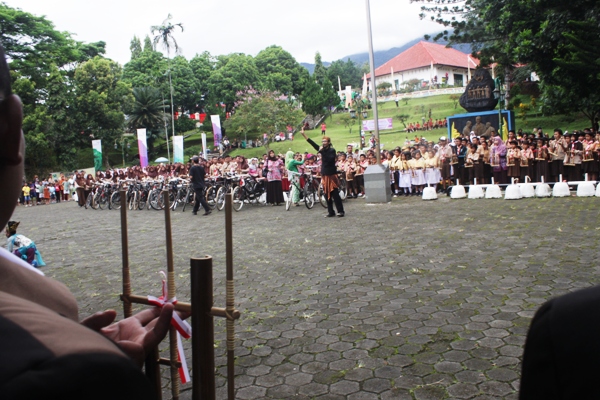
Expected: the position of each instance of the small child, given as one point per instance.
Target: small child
(22, 246)
(26, 191)
(51, 190)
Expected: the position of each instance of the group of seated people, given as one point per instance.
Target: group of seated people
(426, 125)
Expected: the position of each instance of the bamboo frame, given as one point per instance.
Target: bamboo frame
(154, 361)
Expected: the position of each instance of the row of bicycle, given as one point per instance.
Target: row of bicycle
(245, 189)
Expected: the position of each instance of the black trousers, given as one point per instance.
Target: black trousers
(335, 197)
(200, 199)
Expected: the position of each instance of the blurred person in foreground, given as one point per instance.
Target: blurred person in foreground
(47, 352)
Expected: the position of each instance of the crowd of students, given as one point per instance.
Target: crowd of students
(469, 160)
(465, 159)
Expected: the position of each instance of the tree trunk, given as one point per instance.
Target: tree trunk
(507, 81)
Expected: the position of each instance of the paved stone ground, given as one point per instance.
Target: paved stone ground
(413, 300)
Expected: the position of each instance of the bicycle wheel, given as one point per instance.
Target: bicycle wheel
(143, 200)
(100, 200)
(288, 201)
(115, 200)
(342, 189)
(238, 198)
(211, 197)
(309, 195)
(132, 200)
(322, 197)
(186, 199)
(154, 199)
(221, 198)
(89, 202)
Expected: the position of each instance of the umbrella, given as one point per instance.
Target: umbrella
(162, 159)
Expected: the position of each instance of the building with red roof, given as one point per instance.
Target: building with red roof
(431, 63)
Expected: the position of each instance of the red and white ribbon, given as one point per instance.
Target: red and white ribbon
(183, 328)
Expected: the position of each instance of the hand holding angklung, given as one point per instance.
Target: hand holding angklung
(136, 335)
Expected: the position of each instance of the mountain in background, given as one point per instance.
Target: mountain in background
(383, 56)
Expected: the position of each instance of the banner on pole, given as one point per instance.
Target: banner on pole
(216, 124)
(97, 148)
(178, 149)
(141, 136)
(204, 150)
(384, 123)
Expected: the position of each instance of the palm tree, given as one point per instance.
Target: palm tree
(164, 36)
(148, 111)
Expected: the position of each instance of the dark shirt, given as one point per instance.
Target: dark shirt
(197, 174)
(328, 159)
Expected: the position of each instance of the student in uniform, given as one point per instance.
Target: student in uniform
(417, 165)
(405, 174)
(513, 160)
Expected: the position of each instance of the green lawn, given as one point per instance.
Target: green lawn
(441, 107)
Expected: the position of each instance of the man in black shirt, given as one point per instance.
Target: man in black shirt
(197, 174)
(329, 176)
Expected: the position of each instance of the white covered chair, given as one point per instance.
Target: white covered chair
(493, 191)
(586, 189)
(543, 189)
(458, 191)
(513, 192)
(429, 193)
(476, 192)
(527, 188)
(561, 189)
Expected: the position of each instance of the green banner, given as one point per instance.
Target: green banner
(97, 147)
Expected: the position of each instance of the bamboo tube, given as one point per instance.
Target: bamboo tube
(125, 255)
(170, 295)
(229, 293)
(203, 338)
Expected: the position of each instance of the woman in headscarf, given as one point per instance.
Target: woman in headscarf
(80, 189)
(498, 157)
(291, 164)
(22, 246)
(274, 188)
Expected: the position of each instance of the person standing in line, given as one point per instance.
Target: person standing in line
(197, 174)
(329, 177)
(323, 129)
(274, 166)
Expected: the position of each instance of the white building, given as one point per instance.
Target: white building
(429, 63)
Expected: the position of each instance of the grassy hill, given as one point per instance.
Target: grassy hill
(441, 106)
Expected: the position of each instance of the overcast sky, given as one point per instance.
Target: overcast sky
(335, 28)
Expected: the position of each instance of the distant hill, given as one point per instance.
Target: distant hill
(383, 56)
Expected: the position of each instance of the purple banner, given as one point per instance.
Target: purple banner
(141, 136)
(216, 124)
(384, 123)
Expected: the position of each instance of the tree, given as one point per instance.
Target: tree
(348, 122)
(348, 72)
(202, 66)
(281, 71)
(186, 86)
(147, 111)
(318, 99)
(488, 26)
(555, 38)
(233, 73)
(136, 47)
(43, 62)
(100, 98)
(164, 36)
(262, 112)
(319, 73)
